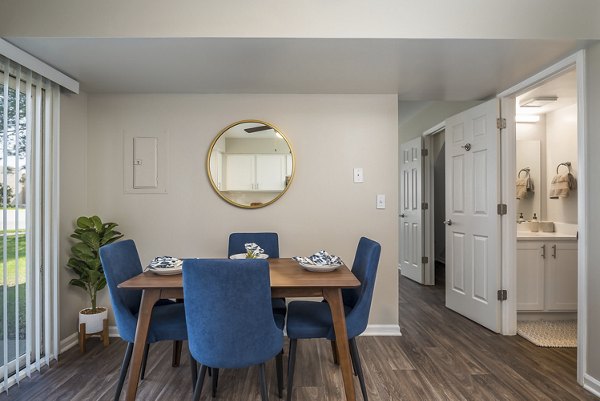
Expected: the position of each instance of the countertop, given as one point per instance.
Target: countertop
(540, 236)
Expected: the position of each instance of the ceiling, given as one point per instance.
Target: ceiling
(563, 87)
(415, 69)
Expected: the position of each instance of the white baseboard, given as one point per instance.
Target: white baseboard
(372, 330)
(68, 342)
(72, 340)
(591, 384)
(382, 330)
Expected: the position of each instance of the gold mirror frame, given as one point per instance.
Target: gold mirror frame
(224, 195)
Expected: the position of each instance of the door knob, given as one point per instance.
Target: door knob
(402, 215)
(466, 147)
(448, 222)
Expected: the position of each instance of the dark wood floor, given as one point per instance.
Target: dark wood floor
(441, 356)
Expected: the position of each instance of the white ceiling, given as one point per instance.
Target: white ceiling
(415, 69)
(564, 87)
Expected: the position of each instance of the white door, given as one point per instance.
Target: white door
(411, 215)
(472, 223)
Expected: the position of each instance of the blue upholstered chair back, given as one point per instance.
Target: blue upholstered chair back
(359, 299)
(228, 310)
(267, 241)
(121, 262)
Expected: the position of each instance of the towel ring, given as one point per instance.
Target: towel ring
(526, 170)
(566, 164)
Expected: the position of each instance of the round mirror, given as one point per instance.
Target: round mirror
(250, 164)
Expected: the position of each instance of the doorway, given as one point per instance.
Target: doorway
(505, 265)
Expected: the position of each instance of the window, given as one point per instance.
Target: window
(28, 222)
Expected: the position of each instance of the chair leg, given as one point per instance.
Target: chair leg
(291, 363)
(144, 361)
(124, 368)
(176, 353)
(279, 366)
(336, 360)
(358, 368)
(199, 382)
(264, 395)
(194, 370)
(215, 381)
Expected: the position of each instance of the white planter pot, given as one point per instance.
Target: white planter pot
(93, 322)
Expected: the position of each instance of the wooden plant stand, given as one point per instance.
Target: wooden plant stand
(83, 336)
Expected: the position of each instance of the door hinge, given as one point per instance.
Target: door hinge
(501, 123)
(424, 259)
(502, 209)
(424, 152)
(502, 295)
(424, 205)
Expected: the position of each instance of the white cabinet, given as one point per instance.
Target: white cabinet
(547, 276)
(530, 276)
(240, 172)
(255, 172)
(270, 172)
(561, 276)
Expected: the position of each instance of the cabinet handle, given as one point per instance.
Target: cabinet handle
(544, 251)
(554, 251)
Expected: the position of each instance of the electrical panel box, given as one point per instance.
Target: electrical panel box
(145, 162)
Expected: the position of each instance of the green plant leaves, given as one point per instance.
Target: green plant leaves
(84, 222)
(91, 233)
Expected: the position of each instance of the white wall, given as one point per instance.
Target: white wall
(73, 201)
(323, 208)
(561, 146)
(532, 19)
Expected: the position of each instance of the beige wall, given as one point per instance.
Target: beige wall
(532, 19)
(73, 201)
(323, 208)
(593, 217)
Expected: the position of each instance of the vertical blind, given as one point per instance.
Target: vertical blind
(29, 109)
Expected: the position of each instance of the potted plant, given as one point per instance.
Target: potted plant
(91, 233)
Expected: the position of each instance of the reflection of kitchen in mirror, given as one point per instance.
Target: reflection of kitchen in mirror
(546, 207)
(250, 164)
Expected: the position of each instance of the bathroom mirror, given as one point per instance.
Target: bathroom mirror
(250, 164)
(529, 165)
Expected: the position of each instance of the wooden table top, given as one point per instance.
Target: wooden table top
(285, 273)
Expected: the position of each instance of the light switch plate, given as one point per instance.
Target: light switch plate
(358, 175)
(380, 201)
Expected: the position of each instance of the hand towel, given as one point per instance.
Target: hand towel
(529, 184)
(521, 188)
(559, 187)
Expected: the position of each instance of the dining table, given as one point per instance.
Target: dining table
(288, 279)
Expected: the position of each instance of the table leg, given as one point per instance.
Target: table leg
(149, 298)
(333, 296)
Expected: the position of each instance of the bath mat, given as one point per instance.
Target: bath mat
(549, 333)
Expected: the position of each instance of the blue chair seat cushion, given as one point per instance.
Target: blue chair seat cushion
(309, 319)
(167, 323)
(279, 320)
(279, 306)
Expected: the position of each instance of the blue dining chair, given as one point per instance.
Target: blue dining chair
(267, 241)
(121, 262)
(230, 321)
(310, 319)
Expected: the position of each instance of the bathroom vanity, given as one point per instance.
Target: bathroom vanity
(547, 271)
